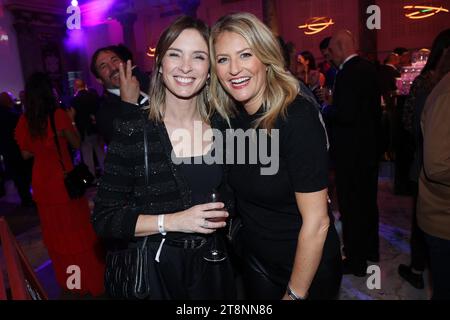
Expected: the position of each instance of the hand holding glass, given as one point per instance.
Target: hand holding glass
(215, 254)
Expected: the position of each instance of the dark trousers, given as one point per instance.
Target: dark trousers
(20, 172)
(419, 251)
(403, 144)
(357, 198)
(439, 251)
(183, 274)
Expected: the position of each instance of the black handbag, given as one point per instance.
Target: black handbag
(79, 178)
(127, 274)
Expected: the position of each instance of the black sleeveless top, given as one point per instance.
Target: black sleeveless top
(202, 178)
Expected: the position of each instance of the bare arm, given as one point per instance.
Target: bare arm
(26, 154)
(188, 221)
(73, 137)
(311, 239)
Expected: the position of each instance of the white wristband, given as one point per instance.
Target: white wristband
(161, 225)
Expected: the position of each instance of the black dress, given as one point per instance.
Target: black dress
(269, 210)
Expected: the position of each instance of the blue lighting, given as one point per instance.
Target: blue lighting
(74, 3)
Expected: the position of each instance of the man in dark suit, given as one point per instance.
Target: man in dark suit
(356, 134)
(387, 78)
(17, 168)
(388, 73)
(105, 67)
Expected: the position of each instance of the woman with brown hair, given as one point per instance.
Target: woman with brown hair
(171, 210)
(65, 222)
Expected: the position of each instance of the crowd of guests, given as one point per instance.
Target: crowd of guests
(237, 76)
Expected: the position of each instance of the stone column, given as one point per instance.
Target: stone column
(127, 21)
(189, 7)
(270, 17)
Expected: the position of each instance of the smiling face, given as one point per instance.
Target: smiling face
(185, 65)
(239, 71)
(107, 66)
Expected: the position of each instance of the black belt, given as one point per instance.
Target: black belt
(186, 243)
(192, 243)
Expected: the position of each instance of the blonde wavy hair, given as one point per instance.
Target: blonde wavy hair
(157, 93)
(281, 86)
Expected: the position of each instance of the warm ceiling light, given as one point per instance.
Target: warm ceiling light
(422, 12)
(151, 52)
(316, 24)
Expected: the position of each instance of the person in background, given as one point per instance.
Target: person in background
(308, 71)
(405, 57)
(330, 75)
(66, 230)
(433, 204)
(143, 78)
(356, 129)
(105, 67)
(86, 105)
(325, 94)
(420, 90)
(388, 74)
(16, 167)
(289, 245)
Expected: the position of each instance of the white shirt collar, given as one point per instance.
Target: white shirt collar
(114, 91)
(117, 93)
(391, 65)
(347, 59)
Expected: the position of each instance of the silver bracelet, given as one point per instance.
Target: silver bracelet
(293, 295)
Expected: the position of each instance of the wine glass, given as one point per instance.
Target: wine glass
(215, 254)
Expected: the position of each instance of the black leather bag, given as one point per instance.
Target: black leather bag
(128, 272)
(79, 178)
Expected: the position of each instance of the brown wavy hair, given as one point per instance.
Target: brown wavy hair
(40, 102)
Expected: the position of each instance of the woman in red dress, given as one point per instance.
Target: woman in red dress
(66, 228)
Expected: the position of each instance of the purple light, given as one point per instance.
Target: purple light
(74, 40)
(74, 3)
(95, 12)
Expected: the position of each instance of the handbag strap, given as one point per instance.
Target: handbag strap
(146, 167)
(55, 137)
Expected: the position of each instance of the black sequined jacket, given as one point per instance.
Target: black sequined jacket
(122, 193)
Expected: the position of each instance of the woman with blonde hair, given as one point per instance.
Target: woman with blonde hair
(168, 206)
(289, 244)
